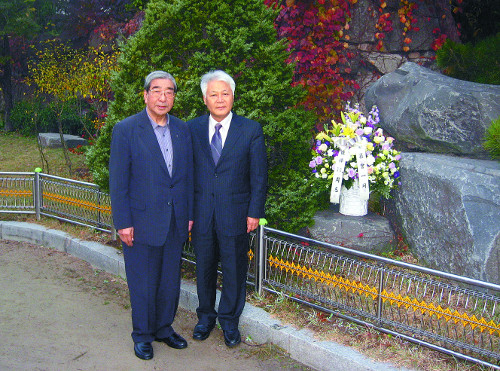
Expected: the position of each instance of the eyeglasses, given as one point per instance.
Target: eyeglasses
(169, 93)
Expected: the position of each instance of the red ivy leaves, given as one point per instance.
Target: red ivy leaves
(315, 32)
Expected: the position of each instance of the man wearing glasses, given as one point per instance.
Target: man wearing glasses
(151, 188)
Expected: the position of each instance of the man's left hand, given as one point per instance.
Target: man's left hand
(252, 224)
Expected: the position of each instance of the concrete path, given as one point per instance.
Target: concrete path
(57, 312)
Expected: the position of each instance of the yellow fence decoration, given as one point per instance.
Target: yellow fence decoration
(77, 202)
(361, 289)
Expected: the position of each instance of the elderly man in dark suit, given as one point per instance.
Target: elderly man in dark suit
(151, 188)
(230, 180)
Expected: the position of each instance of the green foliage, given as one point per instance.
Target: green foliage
(30, 117)
(472, 62)
(294, 199)
(492, 139)
(188, 38)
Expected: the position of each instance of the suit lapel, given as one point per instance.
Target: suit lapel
(175, 134)
(202, 133)
(149, 138)
(233, 134)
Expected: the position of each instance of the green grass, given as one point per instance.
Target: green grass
(19, 154)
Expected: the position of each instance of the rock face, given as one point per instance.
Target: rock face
(53, 140)
(448, 209)
(369, 233)
(429, 112)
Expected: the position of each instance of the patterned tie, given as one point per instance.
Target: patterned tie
(216, 144)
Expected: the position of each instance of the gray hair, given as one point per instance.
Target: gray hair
(158, 75)
(216, 75)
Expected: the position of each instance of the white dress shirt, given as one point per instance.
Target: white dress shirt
(223, 130)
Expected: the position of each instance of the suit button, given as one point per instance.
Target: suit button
(171, 186)
(216, 175)
(169, 203)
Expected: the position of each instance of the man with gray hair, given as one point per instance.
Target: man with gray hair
(230, 180)
(151, 188)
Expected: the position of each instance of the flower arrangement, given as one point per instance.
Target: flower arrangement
(358, 150)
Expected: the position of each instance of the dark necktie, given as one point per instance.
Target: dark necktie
(216, 143)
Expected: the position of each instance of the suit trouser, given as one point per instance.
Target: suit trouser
(232, 251)
(153, 277)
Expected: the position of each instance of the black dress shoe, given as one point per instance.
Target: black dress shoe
(143, 350)
(232, 337)
(201, 332)
(175, 341)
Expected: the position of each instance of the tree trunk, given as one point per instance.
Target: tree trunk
(6, 81)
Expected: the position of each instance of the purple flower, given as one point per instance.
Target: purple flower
(319, 160)
(396, 175)
(335, 153)
(318, 142)
(397, 157)
(392, 165)
(359, 132)
(314, 171)
(312, 163)
(327, 143)
(351, 172)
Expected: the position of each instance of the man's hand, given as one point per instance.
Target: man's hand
(252, 224)
(127, 235)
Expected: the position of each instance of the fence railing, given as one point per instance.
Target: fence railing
(446, 312)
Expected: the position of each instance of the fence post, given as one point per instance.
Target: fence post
(260, 261)
(381, 276)
(36, 194)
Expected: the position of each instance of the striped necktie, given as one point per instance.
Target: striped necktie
(216, 143)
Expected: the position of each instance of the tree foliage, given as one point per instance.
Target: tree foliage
(478, 62)
(17, 19)
(190, 37)
(64, 74)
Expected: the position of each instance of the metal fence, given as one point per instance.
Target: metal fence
(453, 314)
(65, 199)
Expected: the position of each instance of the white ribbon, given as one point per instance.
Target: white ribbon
(344, 145)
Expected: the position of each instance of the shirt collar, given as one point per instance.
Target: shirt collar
(225, 122)
(154, 124)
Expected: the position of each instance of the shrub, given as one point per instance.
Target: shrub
(492, 139)
(237, 36)
(30, 117)
(472, 62)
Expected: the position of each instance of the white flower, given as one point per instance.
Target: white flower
(370, 160)
(323, 147)
(367, 130)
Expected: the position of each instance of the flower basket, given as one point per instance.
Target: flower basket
(355, 153)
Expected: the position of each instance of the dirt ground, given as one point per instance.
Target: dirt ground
(59, 313)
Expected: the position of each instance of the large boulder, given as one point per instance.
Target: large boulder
(448, 209)
(429, 112)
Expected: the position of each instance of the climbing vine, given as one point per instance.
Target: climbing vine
(326, 61)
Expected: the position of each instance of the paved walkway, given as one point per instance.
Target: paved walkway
(57, 312)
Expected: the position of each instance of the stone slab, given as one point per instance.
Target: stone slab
(53, 140)
(369, 233)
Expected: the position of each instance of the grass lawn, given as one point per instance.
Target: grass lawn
(18, 153)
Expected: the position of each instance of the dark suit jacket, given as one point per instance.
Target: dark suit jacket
(236, 187)
(142, 191)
